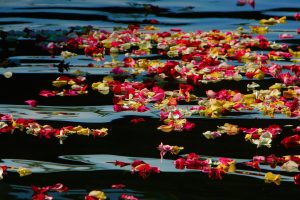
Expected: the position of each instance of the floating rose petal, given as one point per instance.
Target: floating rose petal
(241, 2)
(297, 16)
(3, 170)
(165, 128)
(254, 164)
(212, 134)
(153, 21)
(259, 159)
(137, 120)
(251, 3)
(24, 171)
(117, 70)
(286, 36)
(41, 193)
(127, 197)
(129, 62)
(290, 166)
(100, 132)
(215, 173)
(167, 148)
(118, 186)
(179, 163)
(291, 141)
(273, 21)
(47, 93)
(297, 129)
(32, 103)
(175, 29)
(259, 29)
(96, 195)
(120, 163)
(297, 179)
(7, 74)
(272, 178)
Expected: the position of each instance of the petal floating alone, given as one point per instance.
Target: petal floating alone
(272, 178)
(32, 103)
(7, 74)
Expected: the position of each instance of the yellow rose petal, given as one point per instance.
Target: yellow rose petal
(272, 178)
(98, 194)
(59, 83)
(24, 171)
(7, 74)
(165, 128)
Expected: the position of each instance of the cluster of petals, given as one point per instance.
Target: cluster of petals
(244, 2)
(9, 125)
(22, 171)
(140, 167)
(258, 136)
(273, 21)
(135, 96)
(41, 193)
(201, 49)
(69, 87)
(277, 99)
(291, 141)
(214, 169)
(290, 163)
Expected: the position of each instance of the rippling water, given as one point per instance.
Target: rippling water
(92, 167)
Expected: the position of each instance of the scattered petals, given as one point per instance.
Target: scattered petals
(41, 193)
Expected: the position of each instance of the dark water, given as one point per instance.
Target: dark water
(84, 164)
